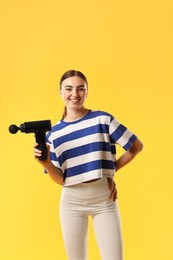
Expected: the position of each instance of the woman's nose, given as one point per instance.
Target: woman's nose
(75, 92)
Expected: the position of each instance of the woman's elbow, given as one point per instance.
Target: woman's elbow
(138, 145)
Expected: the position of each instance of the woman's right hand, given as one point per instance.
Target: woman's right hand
(38, 153)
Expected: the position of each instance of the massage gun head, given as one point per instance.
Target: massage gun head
(13, 129)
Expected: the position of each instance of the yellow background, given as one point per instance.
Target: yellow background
(125, 50)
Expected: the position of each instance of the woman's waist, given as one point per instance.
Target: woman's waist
(91, 188)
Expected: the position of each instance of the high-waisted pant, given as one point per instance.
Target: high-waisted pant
(90, 199)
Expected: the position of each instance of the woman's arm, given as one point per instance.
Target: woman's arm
(54, 173)
(129, 155)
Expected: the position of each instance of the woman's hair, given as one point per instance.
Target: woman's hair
(69, 74)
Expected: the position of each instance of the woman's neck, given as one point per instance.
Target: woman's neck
(73, 115)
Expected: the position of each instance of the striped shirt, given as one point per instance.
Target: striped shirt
(85, 149)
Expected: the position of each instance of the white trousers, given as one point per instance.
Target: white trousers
(90, 199)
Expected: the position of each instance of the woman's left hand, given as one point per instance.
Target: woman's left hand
(113, 189)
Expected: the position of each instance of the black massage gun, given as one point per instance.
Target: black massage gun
(37, 127)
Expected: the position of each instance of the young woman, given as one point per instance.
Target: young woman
(82, 158)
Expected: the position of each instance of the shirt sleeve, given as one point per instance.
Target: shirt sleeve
(119, 134)
(53, 156)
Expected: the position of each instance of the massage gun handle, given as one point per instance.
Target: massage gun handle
(42, 147)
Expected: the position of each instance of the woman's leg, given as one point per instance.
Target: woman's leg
(74, 228)
(108, 233)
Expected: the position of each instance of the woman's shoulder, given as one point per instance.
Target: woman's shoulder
(101, 113)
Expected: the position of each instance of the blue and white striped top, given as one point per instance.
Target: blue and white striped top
(85, 149)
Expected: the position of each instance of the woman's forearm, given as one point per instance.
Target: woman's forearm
(54, 173)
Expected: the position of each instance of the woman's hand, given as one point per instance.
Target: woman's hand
(38, 153)
(113, 189)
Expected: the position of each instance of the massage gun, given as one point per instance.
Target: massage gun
(39, 128)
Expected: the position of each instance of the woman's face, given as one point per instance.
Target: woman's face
(74, 92)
